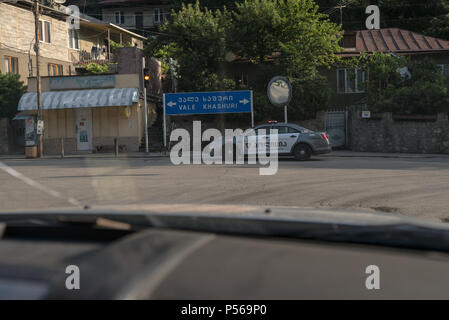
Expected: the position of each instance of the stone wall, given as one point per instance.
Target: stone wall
(384, 134)
(4, 136)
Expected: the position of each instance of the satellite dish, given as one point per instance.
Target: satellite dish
(59, 1)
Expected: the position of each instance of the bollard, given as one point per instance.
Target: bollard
(62, 147)
(116, 146)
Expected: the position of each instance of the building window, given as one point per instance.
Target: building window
(11, 65)
(158, 16)
(74, 39)
(444, 69)
(55, 70)
(119, 17)
(44, 31)
(350, 81)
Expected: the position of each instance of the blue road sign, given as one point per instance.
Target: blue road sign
(207, 102)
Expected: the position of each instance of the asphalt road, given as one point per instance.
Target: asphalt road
(415, 186)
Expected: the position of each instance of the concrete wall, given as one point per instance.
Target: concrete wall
(387, 135)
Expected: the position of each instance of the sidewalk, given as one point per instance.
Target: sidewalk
(354, 154)
(94, 155)
(143, 155)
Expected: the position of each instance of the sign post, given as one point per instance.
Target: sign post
(252, 111)
(214, 102)
(165, 124)
(279, 91)
(145, 108)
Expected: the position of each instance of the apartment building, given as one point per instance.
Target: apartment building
(62, 50)
(139, 16)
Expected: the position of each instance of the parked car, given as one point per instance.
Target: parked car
(293, 140)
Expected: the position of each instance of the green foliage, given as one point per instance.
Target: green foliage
(11, 90)
(309, 97)
(196, 39)
(281, 37)
(95, 68)
(300, 38)
(255, 29)
(426, 92)
(162, 52)
(115, 46)
(382, 70)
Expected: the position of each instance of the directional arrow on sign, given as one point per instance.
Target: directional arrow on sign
(171, 104)
(244, 101)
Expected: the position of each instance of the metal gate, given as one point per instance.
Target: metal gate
(336, 127)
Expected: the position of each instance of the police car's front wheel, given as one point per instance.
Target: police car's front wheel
(302, 152)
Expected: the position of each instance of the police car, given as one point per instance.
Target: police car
(292, 140)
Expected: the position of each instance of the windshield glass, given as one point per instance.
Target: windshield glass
(81, 134)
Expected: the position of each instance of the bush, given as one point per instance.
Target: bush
(96, 68)
(11, 90)
(425, 92)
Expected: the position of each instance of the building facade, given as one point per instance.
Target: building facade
(349, 84)
(88, 113)
(62, 50)
(139, 16)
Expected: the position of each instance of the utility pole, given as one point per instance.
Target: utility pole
(38, 77)
(145, 108)
(341, 6)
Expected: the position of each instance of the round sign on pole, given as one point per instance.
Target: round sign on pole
(279, 91)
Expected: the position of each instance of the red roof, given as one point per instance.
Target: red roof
(391, 40)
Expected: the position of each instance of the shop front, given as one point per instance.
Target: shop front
(89, 120)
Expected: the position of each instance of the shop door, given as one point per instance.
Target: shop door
(83, 127)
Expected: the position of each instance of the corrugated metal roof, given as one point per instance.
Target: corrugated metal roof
(395, 40)
(80, 99)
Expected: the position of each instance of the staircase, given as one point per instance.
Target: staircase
(155, 134)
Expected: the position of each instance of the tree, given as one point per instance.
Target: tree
(292, 31)
(196, 39)
(424, 92)
(11, 90)
(288, 37)
(278, 37)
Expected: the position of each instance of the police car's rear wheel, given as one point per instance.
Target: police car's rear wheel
(302, 152)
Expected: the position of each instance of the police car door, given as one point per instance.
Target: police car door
(287, 137)
(253, 140)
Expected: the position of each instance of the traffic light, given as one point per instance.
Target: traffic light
(146, 77)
